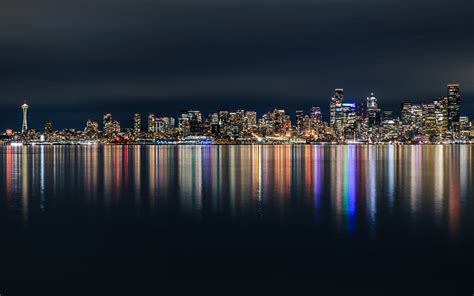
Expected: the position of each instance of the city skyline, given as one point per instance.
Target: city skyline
(125, 116)
(437, 121)
(172, 56)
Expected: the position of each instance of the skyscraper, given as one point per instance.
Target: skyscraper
(453, 107)
(349, 122)
(151, 123)
(108, 124)
(336, 102)
(299, 121)
(316, 120)
(430, 129)
(373, 111)
(24, 126)
(137, 122)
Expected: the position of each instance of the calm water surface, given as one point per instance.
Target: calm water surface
(342, 218)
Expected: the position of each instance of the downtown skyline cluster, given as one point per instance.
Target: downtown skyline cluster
(438, 121)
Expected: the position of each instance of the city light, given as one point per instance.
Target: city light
(435, 122)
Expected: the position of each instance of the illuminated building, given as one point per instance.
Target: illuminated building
(349, 120)
(251, 117)
(373, 111)
(407, 120)
(316, 121)
(48, 130)
(441, 112)
(389, 126)
(190, 122)
(307, 125)
(454, 100)
(24, 126)
(151, 123)
(184, 125)
(91, 131)
(465, 128)
(335, 110)
(274, 123)
(438, 121)
(108, 125)
(137, 124)
(472, 131)
(406, 114)
(430, 129)
(115, 127)
(164, 124)
(300, 122)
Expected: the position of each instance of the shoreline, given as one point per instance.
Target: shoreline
(232, 144)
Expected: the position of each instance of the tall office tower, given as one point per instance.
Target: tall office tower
(349, 114)
(223, 126)
(195, 121)
(316, 120)
(279, 120)
(299, 122)
(214, 127)
(239, 122)
(373, 111)
(406, 113)
(24, 126)
(137, 123)
(334, 105)
(389, 126)
(184, 126)
(108, 124)
(441, 113)
(430, 130)
(151, 123)
(454, 100)
(251, 117)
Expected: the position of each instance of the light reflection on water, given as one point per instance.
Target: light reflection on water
(351, 188)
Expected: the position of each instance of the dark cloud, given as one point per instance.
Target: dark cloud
(76, 59)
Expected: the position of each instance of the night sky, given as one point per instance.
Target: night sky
(75, 59)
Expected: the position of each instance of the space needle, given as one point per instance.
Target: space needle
(24, 126)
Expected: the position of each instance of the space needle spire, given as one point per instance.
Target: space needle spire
(24, 126)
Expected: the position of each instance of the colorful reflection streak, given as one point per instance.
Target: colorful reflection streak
(356, 190)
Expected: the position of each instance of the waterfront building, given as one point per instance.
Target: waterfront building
(389, 126)
(91, 131)
(373, 111)
(151, 123)
(430, 128)
(108, 123)
(316, 121)
(465, 128)
(137, 124)
(441, 113)
(335, 108)
(454, 100)
(164, 124)
(299, 122)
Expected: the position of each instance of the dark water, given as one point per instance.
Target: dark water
(333, 219)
